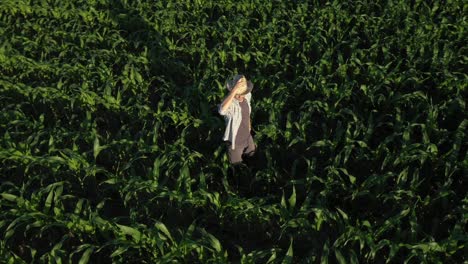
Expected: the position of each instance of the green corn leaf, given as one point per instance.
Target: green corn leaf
(339, 257)
(322, 143)
(9, 197)
(86, 255)
(319, 218)
(161, 227)
(353, 258)
(283, 202)
(272, 258)
(288, 258)
(292, 199)
(48, 202)
(343, 214)
(325, 253)
(119, 251)
(96, 147)
(213, 241)
(155, 172)
(127, 230)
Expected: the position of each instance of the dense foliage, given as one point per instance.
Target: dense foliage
(111, 145)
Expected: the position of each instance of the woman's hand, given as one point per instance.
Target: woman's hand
(241, 83)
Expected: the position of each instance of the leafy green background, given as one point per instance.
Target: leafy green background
(111, 145)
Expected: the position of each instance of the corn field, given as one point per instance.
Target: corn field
(111, 144)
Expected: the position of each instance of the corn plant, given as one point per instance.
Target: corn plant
(110, 143)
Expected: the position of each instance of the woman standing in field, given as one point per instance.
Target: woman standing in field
(236, 111)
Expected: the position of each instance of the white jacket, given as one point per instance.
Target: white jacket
(233, 118)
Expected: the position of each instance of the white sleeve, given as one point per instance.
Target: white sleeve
(248, 97)
(227, 112)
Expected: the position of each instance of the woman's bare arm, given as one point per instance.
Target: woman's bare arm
(228, 100)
